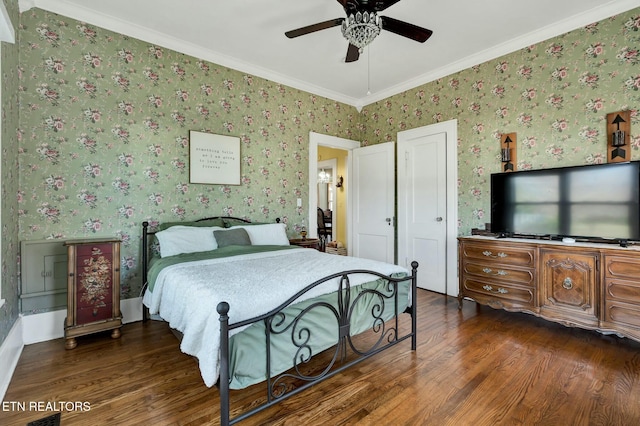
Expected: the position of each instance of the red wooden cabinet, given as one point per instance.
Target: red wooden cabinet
(93, 293)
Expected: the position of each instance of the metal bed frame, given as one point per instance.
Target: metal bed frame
(346, 352)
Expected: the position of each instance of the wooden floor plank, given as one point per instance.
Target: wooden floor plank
(476, 366)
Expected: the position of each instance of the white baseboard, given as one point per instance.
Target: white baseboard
(50, 325)
(42, 327)
(29, 329)
(131, 310)
(10, 351)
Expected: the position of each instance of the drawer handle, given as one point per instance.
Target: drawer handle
(567, 284)
(490, 254)
(500, 290)
(499, 272)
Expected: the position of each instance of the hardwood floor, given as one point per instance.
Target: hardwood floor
(478, 366)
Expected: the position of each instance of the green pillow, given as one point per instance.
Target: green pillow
(232, 237)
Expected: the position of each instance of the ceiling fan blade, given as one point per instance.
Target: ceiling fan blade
(405, 29)
(353, 53)
(313, 28)
(381, 5)
(350, 4)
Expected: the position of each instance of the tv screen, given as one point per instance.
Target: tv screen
(596, 201)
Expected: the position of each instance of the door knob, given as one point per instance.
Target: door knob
(388, 220)
(438, 219)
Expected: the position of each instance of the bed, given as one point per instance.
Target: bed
(252, 308)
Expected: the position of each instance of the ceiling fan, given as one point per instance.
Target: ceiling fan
(362, 25)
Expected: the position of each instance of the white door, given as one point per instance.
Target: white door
(373, 202)
(426, 217)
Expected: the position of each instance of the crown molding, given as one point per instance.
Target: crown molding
(84, 14)
(607, 10)
(111, 23)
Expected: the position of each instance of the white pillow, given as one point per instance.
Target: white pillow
(267, 234)
(186, 239)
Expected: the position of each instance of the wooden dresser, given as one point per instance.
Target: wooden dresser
(93, 288)
(593, 286)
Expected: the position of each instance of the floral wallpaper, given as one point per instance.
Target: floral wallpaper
(104, 122)
(104, 137)
(555, 95)
(9, 177)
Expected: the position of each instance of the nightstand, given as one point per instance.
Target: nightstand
(93, 288)
(313, 243)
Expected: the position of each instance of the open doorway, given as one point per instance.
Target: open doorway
(331, 194)
(318, 142)
(369, 185)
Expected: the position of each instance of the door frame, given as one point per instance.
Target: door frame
(348, 145)
(451, 129)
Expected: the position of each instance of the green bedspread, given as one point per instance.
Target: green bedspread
(247, 359)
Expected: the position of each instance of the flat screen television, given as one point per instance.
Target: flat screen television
(592, 202)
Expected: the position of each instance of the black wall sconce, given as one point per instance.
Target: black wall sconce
(618, 136)
(339, 182)
(508, 152)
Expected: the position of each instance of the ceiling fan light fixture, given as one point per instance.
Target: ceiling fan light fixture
(360, 29)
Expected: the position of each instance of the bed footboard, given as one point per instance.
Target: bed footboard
(384, 332)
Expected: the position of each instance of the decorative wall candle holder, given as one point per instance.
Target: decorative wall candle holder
(508, 152)
(618, 136)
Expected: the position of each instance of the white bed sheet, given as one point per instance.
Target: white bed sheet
(186, 295)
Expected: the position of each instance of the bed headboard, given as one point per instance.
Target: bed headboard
(146, 245)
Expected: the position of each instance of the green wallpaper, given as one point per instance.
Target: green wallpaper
(104, 122)
(9, 178)
(555, 95)
(104, 129)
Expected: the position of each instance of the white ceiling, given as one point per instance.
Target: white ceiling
(248, 35)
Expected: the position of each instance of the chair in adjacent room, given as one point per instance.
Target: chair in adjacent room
(324, 231)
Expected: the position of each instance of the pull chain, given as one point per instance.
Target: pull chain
(368, 71)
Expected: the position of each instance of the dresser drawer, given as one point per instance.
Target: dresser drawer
(499, 273)
(499, 293)
(622, 313)
(622, 267)
(94, 249)
(623, 290)
(94, 313)
(94, 295)
(500, 254)
(100, 265)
